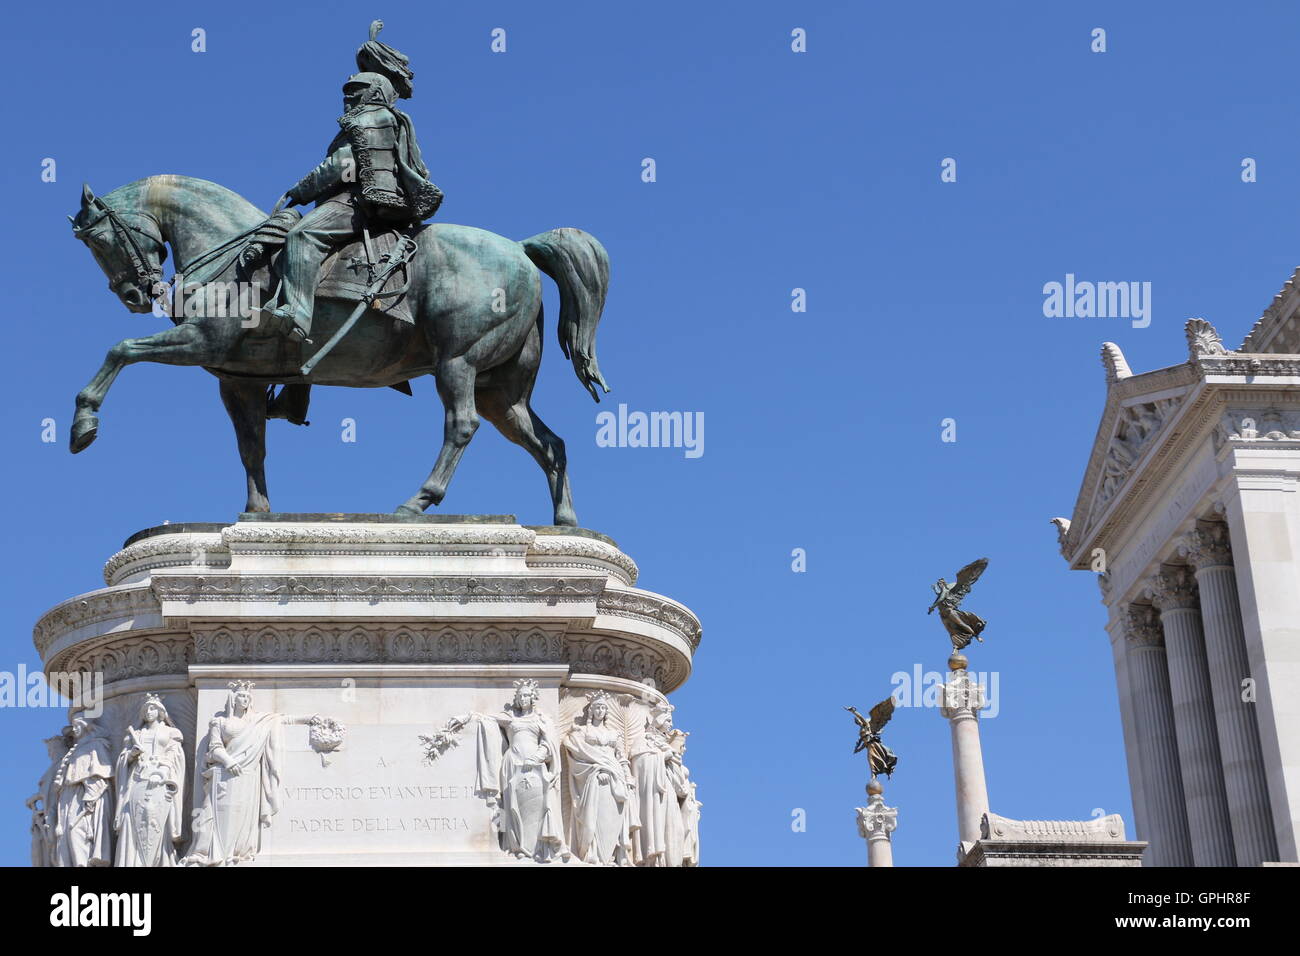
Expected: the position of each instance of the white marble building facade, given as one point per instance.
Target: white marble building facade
(1189, 512)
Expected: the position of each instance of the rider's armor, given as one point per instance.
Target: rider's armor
(372, 171)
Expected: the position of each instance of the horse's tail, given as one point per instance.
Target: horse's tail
(580, 267)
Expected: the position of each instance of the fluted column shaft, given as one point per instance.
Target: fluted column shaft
(1244, 782)
(963, 699)
(1173, 592)
(1166, 806)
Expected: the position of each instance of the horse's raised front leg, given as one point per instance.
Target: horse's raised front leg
(246, 406)
(180, 345)
(456, 388)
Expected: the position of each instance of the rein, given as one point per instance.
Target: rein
(145, 275)
(126, 233)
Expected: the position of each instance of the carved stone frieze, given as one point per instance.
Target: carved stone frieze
(1268, 424)
(337, 587)
(129, 656)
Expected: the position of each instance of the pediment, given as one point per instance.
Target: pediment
(1135, 422)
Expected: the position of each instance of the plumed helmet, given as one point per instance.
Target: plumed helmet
(376, 57)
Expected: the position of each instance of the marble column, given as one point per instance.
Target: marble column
(1251, 816)
(876, 823)
(1117, 632)
(1148, 673)
(1173, 591)
(963, 699)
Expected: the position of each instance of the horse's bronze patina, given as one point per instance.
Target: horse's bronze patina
(475, 298)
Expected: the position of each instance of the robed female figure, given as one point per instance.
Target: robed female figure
(150, 775)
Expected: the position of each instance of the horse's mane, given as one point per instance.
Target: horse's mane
(213, 196)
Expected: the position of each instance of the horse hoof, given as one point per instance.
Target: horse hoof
(84, 431)
(407, 510)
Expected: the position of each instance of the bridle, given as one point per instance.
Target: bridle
(146, 276)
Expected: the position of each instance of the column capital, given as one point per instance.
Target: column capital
(1172, 587)
(962, 695)
(1142, 626)
(875, 820)
(1207, 546)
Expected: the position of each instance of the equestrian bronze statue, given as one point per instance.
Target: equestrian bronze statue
(371, 302)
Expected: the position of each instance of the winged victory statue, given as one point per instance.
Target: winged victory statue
(879, 757)
(961, 625)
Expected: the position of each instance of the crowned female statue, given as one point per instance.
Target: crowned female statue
(518, 772)
(241, 782)
(600, 785)
(150, 773)
(83, 825)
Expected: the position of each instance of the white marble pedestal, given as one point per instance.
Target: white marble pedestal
(387, 625)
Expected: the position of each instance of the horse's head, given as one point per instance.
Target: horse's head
(128, 245)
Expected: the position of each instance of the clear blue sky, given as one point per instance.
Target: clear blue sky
(776, 170)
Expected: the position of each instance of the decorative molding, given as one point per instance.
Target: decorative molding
(130, 656)
(1113, 361)
(876, 819)
(1271, 423)
(646, 606)
(1100, 829)
(1202, 339)
(345, 539)
(393, 643)
(167, 546)
(368, 643)
(1241, 364)
(1277, 323)
(547, 550)
(279, 588)
(963, 696)
(105, 605)
(1062, 533)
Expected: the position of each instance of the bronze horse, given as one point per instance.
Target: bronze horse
(475, 298)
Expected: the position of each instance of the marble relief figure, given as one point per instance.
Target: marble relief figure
(601, 787)
(661, 785)
(518, 771)
(44, 802)
(691, 821)
(241, 781)
(83, 825)
(150, 773)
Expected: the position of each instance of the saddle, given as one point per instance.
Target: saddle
(345, 274)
